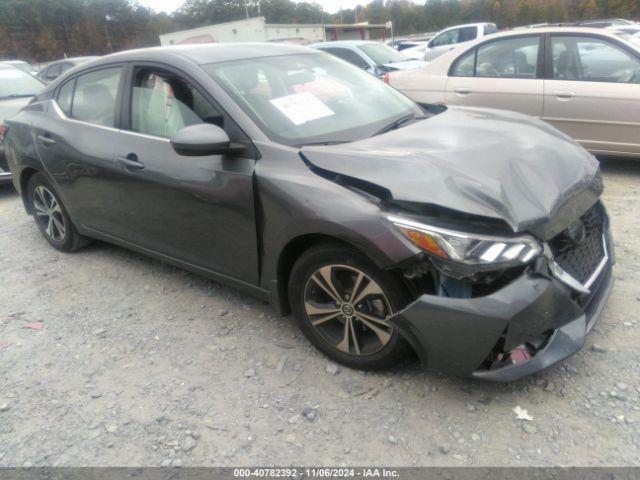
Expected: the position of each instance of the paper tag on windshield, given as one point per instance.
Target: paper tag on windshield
(302, 107)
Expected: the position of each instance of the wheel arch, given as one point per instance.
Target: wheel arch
(25, 176)
(296, 246)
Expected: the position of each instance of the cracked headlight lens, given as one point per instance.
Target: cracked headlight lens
(469, 248)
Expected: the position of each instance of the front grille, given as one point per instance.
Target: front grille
(580, 252)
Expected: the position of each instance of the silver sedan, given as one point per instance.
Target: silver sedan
(584, 81)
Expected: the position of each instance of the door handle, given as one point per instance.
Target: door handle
(564, 94)
(131, 162)
(463, 90)
(46, 140)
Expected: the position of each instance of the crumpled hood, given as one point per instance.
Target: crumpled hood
(490, 163)
(10, 107)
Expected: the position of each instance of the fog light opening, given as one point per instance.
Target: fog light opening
(500, 358)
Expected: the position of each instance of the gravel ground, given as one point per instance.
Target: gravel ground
(142, 364)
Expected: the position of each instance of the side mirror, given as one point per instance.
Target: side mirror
(203, 139)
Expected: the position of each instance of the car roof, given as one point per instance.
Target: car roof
(205, 53)
(536, 31)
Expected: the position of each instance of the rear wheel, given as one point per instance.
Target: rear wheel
(341, 301)
(51, 217)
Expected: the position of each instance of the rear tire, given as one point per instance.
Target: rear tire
(340, 300)
(51, 216)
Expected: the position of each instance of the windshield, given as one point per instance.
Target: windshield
(381, 54)
(16, 83)
(311, 98)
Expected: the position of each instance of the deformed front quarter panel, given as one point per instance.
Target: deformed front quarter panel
(455, 335)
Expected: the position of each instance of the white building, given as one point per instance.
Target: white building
(257, 30)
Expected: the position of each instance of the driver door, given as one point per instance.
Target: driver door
(592, 93)
(197, 209)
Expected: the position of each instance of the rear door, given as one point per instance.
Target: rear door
(592, 92)
(505, 73)
(75, 140)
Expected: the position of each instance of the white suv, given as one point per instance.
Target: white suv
(451, 37)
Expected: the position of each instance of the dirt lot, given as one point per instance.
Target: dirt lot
(140, 363)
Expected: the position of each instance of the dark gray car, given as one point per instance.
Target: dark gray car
(474, 237)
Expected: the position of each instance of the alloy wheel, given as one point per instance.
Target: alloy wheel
(48, 213)
(348, 309)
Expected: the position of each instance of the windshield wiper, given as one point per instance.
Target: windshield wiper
(17, 95)
(398, 123)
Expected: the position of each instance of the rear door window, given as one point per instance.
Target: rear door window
(94, 100)
(593, 59)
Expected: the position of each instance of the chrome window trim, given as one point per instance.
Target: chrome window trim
(63, 116)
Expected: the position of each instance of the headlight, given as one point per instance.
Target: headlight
(469, 248)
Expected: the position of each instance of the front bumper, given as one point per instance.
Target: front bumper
(457, 335)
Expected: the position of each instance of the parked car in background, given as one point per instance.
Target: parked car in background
(374, 57)
(625, 30)
(17, 88)
(410, 41)
(635, 38)
(452, 37)
(54, 69)
(477, 237)
(415, 52)
(584, 81)
(22, 65)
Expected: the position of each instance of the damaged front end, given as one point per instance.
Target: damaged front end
(503, 307)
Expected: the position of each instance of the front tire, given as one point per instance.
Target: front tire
(341, 300)
(51, 217)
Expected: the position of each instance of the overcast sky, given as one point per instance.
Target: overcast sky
(330, 6)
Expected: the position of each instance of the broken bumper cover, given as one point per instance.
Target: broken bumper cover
(457, 335)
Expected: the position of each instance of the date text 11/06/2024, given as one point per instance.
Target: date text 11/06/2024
(315, 473)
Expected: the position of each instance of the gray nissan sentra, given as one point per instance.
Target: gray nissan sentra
(474, 237)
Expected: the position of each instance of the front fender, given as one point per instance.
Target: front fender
(293, 202)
